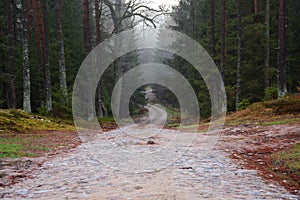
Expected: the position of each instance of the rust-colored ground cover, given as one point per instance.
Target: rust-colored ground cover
(264, 148)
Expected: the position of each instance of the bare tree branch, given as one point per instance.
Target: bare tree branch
(137, 10)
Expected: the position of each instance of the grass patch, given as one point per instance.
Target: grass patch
(28, 135)
(13, 150)
(15, 145)
(280, 122)
(286, 164)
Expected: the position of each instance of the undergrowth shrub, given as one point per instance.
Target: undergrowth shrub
(270, 93)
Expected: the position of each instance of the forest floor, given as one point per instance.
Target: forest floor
(265, 137)
(26, 141)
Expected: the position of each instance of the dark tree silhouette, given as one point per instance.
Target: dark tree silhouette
(11, 54)
(238, 84)
(282, 76)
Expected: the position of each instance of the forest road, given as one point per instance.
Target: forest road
(121, 164)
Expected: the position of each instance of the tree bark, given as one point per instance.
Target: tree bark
(41, 25)
(282, 76)
(28, 4)
(223, 37)
(11, 54)
(255, 7)
(88, 48)
(47, 75)
(25, 52)
(98, 40)
(62, 63)
(267, 56)
(97, 19)
(118, 27)
(41, 34)
(212, 28)
(86, 25)
(238, 85)
(37, 34)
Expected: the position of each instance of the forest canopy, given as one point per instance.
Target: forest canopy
(43, 43)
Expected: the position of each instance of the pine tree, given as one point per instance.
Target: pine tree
(255, 7)
(212, 28)
(98, 40)
(267, 56)
(11, 54)
(62, 62)
(223, 37)
(25, 50)
(47, 75)
(86, 26)
(36, 14)
(238, 84)
(282, 76)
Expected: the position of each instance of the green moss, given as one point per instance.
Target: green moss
(19, 121)
(106, 119)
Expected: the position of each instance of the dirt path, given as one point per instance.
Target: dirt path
(116, 166)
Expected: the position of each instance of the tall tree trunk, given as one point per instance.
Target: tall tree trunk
(47, 58)
(212, 28)
(98, 40)
(118, 65)
(42, 42)
(86, 26)
(118, 69)
(267, 56)
(255, 7)
(62, 65)
(26, 68)
(88, 48)
(282, 76)
(28, 18)
(238, 85)
(37, 34)
(11, 54)
(193, 18)
(97, 19)
(41, 27)
(223, 37)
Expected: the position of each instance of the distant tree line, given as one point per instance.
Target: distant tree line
(43, 43)
(254, 43)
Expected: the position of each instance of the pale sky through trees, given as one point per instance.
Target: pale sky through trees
(164, 2)
(157, 3)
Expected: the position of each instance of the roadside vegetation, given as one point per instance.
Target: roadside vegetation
(29, 135)
(281, 111)
(271, 140)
